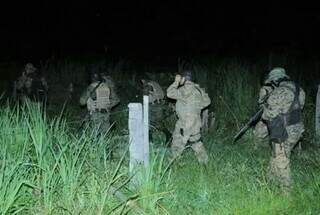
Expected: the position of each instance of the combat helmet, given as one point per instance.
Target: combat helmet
(187, 74)
(275, 75)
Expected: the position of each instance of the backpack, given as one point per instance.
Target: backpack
(205, 100)
(101, 100)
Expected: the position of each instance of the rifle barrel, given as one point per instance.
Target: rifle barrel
(252, 121)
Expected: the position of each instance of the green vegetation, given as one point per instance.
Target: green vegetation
(48, 166)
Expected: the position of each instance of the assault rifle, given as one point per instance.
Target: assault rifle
(252, 122)
(254, 119)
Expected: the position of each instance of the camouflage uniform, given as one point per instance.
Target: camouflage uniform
(188, 108)
(156, 99)
(30, 85)
(282, 113)
(154, 90)
(99, 101)
(158, 110)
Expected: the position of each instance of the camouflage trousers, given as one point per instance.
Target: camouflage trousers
(100, 122)
(279, 166)
(187, 134)
(260, 134)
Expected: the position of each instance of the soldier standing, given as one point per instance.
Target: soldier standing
(99, 101)
(282, 114)
(190, 100)
(31, 85)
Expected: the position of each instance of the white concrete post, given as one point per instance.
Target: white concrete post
(146, 130)
(135, 135)
(139, 134)
(317, 126)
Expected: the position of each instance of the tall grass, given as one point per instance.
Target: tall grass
(49, 167)
(44, 168)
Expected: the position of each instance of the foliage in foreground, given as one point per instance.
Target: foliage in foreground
(47, 170)
(48, 167)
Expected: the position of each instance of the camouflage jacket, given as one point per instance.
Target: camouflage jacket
(190, 98)
(281, 99)
(154, 91)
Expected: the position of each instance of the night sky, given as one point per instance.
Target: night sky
(145, 28)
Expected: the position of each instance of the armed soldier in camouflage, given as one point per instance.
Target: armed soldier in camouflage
(191, 99)
(99, 100)
(31, 85)
(282, 114)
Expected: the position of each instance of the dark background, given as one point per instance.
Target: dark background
(39, 29)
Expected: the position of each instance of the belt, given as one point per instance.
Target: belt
(100, 111)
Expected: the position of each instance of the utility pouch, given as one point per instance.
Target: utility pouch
(277, 130)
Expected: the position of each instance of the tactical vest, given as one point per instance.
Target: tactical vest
(204, 99)
(101, 102)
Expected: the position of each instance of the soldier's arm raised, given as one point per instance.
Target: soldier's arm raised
(172, 91)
